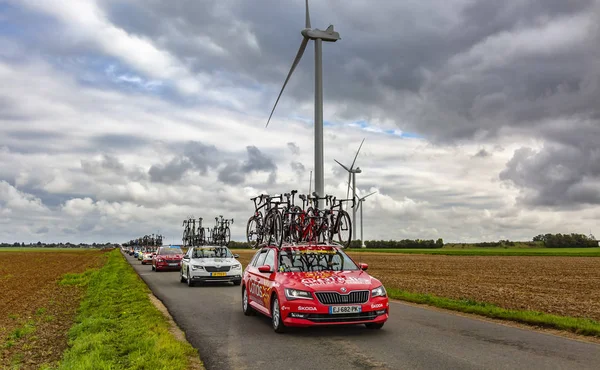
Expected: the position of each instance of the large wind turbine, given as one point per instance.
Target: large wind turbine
(352, 180)
(318, 36)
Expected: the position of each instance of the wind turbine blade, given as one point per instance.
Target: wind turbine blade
(358, 151)
(346, 168)
(296, 61)
(349, 184)
(368, 195)
(307, 16)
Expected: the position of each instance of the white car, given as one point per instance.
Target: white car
(210, 263)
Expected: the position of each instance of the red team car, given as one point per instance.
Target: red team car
(307, 285)
(167, 258)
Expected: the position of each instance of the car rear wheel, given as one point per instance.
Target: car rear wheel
(374, 326)
(248, 311)
(276, 316)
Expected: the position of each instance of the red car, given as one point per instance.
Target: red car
(167, 258)
(310, 285)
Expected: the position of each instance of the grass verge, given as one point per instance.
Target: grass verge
(575, 325)
(117, 327)
(561, 252)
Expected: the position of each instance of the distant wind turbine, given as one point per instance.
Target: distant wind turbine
(352, 180)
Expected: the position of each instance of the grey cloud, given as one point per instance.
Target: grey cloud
(172, 171)
(42, 230)
(120, 142)
(69, 231)
(298, 168)
(232, 174)
(295, 149)
(257, 161)
(557, 175)
(108, 162)
(482, 153)
(202, 156)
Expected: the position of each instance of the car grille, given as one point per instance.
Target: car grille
(356, 296)
(349, 317)
(217, 269)
(171, 261)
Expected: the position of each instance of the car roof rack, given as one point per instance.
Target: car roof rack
(301, 244)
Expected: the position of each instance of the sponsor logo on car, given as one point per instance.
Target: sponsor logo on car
(306, 308)
(377, 305)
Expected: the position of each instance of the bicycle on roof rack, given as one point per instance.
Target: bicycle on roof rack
(221, 234)
(277, 220)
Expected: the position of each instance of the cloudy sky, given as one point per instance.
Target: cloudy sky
(481, 118)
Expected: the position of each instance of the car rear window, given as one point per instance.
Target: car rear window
(170, 251)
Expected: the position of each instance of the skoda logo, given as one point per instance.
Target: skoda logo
(343, 290)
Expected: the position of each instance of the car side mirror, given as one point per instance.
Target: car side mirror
(264, 268)
(186, 257)
(363, 266)
(236, 256)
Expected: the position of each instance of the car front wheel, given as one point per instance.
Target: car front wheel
(374, 326)
(276, 316)
(190, 283)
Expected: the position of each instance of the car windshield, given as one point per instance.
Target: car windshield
(212, 253)
(170, 251)
(322, 259)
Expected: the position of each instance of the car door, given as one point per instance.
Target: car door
(267, 279)
(256, 290)
(185, 262)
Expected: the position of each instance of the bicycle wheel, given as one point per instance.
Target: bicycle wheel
(296, 224)
(343, 228)
(252, 231)
(201, 240)
(278, 229)
(227, 235)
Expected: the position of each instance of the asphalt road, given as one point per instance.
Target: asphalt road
(413, 337)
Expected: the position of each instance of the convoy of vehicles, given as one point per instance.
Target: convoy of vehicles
(295, 281)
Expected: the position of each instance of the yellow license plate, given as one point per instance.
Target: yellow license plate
(218, 274)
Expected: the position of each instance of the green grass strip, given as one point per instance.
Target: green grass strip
(117, 327)
(559, 252)
(576, 325)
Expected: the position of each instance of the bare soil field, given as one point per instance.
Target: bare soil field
(35, 311)
(567, 286)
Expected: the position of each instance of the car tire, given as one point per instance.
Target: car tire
(237, 282)
(181, 278)
(248, 310)
(276, 319)
(190, 283)
(374, 326)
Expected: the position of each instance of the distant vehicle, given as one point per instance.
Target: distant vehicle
(167, 258)
(136, 252)
(309, 285)
(210, 263)
(147, 256)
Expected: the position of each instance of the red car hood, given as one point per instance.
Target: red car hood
(328, 280)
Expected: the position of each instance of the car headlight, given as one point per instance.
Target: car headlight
(378, 292)
(197, 267)
(236, 267)
(292, 294)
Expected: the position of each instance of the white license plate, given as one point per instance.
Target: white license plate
(344, 309)
(173, 264)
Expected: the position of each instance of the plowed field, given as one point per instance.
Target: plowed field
(35, 311)
(567, 286)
